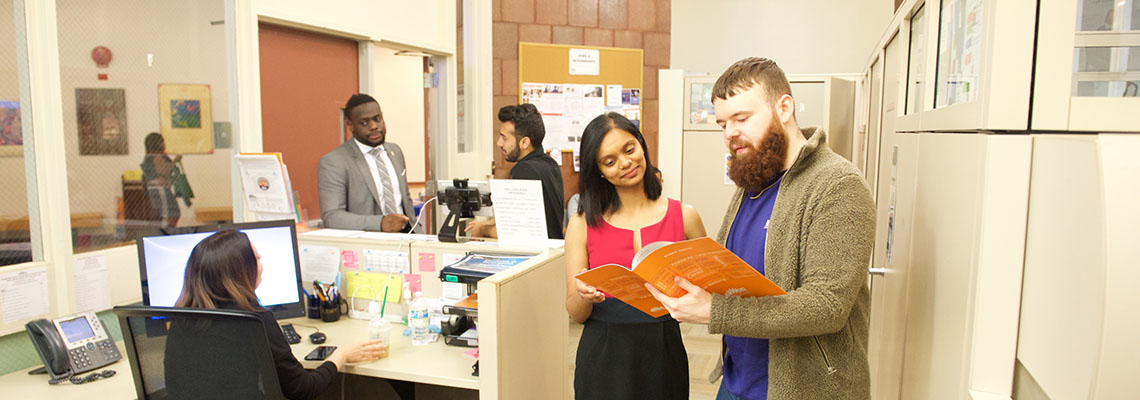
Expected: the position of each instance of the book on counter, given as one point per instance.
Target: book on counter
(701, 261)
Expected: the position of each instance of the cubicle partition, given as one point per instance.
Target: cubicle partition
(523, 325)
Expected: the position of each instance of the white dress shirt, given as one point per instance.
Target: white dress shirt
(368, 158)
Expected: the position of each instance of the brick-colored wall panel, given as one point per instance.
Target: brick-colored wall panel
(664, 15)
(582, 13)
(657, 49)
(649, 79)
(497, 76)
(534, 33)
(649, 127)
(511, 78)
(627, 39)
(643, 15)
(598, 37)
(567, 35)
(613, 13)
(505, 40)
(521, 11)
(496, 9)
(551, 12)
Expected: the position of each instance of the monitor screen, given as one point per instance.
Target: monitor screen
(162, 261)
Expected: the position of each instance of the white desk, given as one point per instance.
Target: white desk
(20, 385)
(435, 363)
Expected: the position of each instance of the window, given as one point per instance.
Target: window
(960, 39)
(917, 61)
(16, 239)
(1106, 60)
(145, 115)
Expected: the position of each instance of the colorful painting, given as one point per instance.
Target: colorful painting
(185, 114)
(185, 119)
(11, 131)
(102, 118)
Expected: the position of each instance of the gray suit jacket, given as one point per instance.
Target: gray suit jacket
(349, 199)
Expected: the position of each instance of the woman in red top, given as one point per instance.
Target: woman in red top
(624, 353)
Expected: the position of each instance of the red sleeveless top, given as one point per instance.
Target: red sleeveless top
(607, 244)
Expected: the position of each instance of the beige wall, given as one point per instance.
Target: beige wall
(186, 49)
(804, 37)
(428, 24)
(399, 89)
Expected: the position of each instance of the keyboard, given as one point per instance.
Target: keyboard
(291, 335)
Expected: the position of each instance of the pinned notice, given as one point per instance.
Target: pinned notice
(585, 62)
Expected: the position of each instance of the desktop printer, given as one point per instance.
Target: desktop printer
(459, 328)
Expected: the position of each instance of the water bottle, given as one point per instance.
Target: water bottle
(418, 320)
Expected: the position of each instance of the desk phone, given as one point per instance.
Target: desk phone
(73, 344)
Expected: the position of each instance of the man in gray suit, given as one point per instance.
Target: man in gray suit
(363, 182)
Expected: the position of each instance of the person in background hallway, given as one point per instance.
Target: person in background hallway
(223, 272)
(363, 183)
(157, 175)
(623, 353)
(520, 140)
(803, 216)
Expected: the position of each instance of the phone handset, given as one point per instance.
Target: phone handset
(71, 345)
(50, 346)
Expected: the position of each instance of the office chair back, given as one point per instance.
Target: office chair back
(191, 353)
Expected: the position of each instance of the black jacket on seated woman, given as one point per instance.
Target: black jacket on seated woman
(208, 360)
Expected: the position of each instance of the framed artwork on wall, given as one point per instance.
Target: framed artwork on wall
(186, 119)
(102, 118)
(11, 130)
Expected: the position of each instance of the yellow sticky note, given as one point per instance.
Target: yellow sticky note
(374, 281)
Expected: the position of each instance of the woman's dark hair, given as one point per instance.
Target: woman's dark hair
(222, 268)
(154, 143)
(599, 195)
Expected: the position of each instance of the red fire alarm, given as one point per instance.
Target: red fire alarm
(102, 56)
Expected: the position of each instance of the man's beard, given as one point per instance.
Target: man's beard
(759, 167)
(513, 155)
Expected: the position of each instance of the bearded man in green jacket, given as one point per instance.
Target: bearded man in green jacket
(803, 216)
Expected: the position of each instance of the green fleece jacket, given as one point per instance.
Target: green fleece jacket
(819, 245)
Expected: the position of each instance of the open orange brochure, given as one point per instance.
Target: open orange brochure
(702, 261)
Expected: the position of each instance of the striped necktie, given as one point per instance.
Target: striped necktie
(389, 198)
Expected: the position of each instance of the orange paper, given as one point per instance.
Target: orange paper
(702, 261)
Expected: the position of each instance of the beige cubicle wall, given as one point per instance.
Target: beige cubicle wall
(523, 325)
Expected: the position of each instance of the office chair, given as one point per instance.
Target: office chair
(191, 353)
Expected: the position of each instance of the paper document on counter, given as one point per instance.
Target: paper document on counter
(520, 217)
(263, 183)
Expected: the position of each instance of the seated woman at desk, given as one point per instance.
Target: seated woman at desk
(624, 353)
(223, 272)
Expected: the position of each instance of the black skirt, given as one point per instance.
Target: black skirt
(624, 354)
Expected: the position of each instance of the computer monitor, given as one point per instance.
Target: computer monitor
(162, 264)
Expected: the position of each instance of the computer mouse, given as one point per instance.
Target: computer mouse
(317, 338)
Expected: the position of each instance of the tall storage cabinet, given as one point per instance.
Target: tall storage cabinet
(1001, 147)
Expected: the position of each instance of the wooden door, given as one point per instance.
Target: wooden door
(305, 79)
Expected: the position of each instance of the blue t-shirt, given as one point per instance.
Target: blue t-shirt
(746, 359)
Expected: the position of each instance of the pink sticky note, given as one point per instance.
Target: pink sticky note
(350, 259)
(427, 262)
(415, 282)
(473, 353)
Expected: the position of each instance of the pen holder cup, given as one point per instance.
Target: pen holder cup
(331, 310)
(313, 307)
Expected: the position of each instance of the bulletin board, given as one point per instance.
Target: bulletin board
(549, 65)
